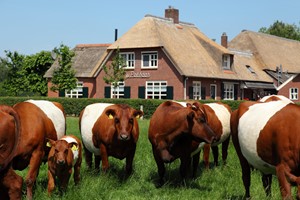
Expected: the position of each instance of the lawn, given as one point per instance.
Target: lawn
(222, 182)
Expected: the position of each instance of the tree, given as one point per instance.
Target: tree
(278, 28)
(115, 72)
(64, 76)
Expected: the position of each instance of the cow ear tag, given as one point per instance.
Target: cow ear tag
(48, 144)
(138, 116)
(110, 116)
(74, 148)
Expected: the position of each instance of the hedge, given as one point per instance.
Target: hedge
(74, 106)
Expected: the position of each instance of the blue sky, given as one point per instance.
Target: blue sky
(30, 26)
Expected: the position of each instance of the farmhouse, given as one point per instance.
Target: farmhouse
(170, 59)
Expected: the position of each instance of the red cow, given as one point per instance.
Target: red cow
(10, 182)
(65, 154)
(39, 120)
(267, 137)
(109, 130)
(173, 132)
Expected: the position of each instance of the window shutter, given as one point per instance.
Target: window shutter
(235, 92)
(169, 92)
(222, 90)
(127, 92)
(107, 92)
(191, 92)
(85, 92)
(61, 93)
(203, 93)
(141, 92)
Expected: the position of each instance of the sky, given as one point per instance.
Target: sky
(31, 26)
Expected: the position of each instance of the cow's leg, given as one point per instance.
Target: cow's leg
(34, 167)
(129, 161)
(65, 181)
(97, 162)
(88, 157)
(285, 187)
(77, 172)
(160, 165)
(185, 165)
(206, 151)
(225, 145)
(267, 182)
(51, 182)
(13, 184)
(215, 151)
(104, 157)
(196, 159)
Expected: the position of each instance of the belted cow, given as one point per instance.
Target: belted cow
(109, 130)
(65, 154)
(40, 119)
(175, 132)
(10, 182)
(267, 137)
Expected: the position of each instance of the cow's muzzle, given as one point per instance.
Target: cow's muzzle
(124, 137)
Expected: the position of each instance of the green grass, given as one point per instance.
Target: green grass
(222, 182)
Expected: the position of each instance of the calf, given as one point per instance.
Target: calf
(109, 130)
(65, 154)
(173, 132)
(10, 182)
(39, 120)
(267, 137)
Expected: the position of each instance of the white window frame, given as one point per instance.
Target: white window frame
(156, 89)
(118, 92)
(75, 93)
(214, 91)
(293, 93)
(228, 91)
(197, 90)
(129, 59)
(153, 60)
(226, 61)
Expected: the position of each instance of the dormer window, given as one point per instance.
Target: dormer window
(226, 62)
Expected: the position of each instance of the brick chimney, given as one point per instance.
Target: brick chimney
(224, 40)
(172, 13)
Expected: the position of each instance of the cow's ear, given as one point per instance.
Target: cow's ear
(188, 105)
(73, 146)
(110, 113)
(138, 113)
(49, 142)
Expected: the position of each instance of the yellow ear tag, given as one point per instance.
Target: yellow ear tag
(74, 148)
(138, 116)
(110, 116)
(48, 144)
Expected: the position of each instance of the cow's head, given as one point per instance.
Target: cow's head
(197, 123)
(61, 151)
(124, 119)
(9, 135)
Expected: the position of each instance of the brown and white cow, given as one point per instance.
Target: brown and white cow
(65, 154)
(40, 119)
(109, 130)
(275, 98)
(10, 182)
(267, 137)
(175, 132)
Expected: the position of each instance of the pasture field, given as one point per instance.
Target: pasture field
(222, 182)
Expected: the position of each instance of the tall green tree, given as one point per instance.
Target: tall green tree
(115, 72)
(281, 29)
(64, 76)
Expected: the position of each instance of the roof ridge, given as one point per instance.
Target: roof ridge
(92, 45)
(170, 20)
(269, 35)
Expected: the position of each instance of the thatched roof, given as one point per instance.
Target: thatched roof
(192, 52)
(86, 61)
(269, 51)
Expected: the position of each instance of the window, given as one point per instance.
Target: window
(149, 60)
(226, 62)
(293, 93)
(77, 92)
(196, 90)
(129, 59)
(156, 89)
(213, 91)
(117, 92)
(228, 91)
